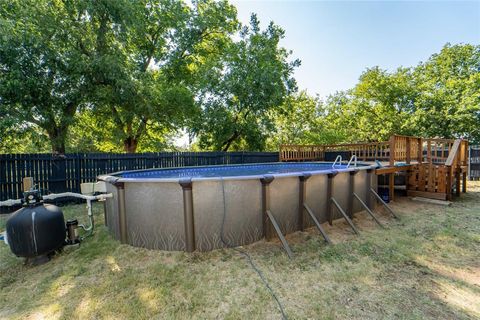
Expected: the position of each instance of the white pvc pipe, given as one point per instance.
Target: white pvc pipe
(76, 195)
(10, 203)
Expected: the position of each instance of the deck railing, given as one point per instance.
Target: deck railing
(436, 165)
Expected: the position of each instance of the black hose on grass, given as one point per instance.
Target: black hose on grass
(249, 258)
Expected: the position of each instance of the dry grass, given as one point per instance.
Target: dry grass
(425, 266)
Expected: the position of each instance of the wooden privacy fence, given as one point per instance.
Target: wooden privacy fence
(66, 173)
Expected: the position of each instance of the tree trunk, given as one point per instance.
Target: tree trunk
(57, 140)
(226, 145)
(130, 145)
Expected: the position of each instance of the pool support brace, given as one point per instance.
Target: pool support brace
(304, 207)
(268, 216)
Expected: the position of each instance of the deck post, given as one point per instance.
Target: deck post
(266, 180)
(449, 183)
(420, 150)
(188, 214)
(301, 200)
(464, 183)
(458, 181)
(392, 150)
(391, 186)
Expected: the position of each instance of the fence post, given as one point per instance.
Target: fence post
(408, 151)
(420, 150)
(58, 175)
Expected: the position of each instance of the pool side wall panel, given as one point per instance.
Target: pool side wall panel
(155, 213)
(284, 193)
(359, 187)
(242, 209)
(340, 192)
(316, 198)
(155, 217)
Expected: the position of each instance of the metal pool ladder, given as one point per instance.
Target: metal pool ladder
(354, 159)
(338, 159)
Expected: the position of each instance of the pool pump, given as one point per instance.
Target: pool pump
(38, 230)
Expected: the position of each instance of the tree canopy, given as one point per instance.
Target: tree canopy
(437, 98)
(134, 75)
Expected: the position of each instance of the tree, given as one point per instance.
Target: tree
(448, 99)
(436, 98)
(145, 81)
(249, 80)
(41, 70)
(302, 119)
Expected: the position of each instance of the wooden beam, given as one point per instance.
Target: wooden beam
(425, 194)
(388, 170)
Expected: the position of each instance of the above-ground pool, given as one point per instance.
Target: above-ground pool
(204, 208)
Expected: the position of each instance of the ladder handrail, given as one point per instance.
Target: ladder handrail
(354, 159)
(339, 157)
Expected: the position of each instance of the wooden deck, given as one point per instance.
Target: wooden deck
(434, 168)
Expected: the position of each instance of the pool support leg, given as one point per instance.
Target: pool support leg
(384, 203)
(268, 220)
(280, 234)
(317, 223)
(339, 208)
(367, 209)
(188, 214)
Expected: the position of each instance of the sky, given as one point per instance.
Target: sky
(337, 40)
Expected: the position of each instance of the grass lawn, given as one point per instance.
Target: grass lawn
(425, 266)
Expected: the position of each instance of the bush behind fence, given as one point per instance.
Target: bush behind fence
(66, 173)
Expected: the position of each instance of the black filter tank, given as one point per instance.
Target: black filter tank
(36, 230)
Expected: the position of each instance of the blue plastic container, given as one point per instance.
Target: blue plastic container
(384, 194)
